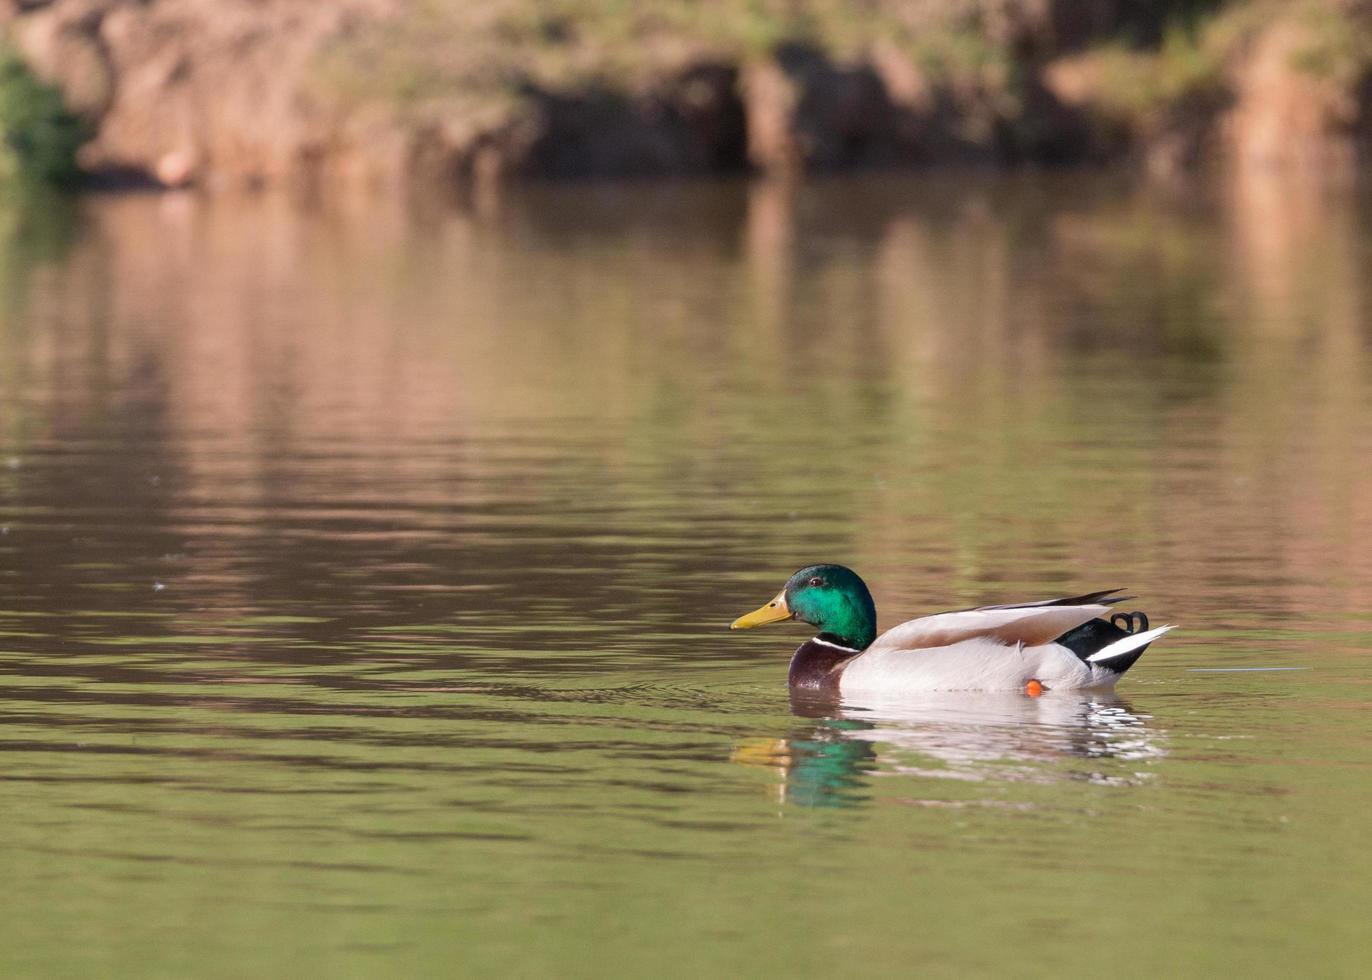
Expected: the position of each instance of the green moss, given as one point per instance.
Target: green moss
(961, 57)
(39, 136)
(1187, 70)
(1139, 87)
(1150, 68)
(1337, 46)
(439, 48)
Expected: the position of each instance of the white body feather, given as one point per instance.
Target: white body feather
(986, 650)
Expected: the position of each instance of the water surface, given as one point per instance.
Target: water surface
(364, 570)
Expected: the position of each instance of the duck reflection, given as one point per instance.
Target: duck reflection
(833, 758)
(822, 765)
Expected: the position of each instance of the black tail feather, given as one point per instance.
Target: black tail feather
(1096, 635)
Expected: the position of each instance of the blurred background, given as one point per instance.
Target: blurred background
(444, 93)
(398, 399)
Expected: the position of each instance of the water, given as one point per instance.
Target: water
(364, 570)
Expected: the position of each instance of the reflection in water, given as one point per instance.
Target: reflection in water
(1005, 735)
(825, 765)
(641, 361)
(449, 511)
(974, 736)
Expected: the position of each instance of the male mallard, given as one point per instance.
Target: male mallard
(1029, 646)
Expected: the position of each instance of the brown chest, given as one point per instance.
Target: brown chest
(816, 665)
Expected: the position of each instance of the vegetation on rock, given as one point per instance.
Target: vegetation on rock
(39, 136)
(386, 91)
(1002, 81)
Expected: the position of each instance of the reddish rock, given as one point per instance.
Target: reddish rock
(163, 83)
(225, 92)
(807, 112)
(1286, 116)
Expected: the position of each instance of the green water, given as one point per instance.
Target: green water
(365, 568)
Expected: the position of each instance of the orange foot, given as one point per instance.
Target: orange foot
(1033, 687)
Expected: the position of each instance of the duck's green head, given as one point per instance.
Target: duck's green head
(829, 597)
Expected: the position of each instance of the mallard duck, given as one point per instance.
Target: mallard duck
(1028, 646)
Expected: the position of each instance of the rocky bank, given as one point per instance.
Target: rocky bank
(232, 92)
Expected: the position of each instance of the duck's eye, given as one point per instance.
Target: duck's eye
(816, 581)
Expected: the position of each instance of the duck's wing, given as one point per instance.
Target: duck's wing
(1103, 597)
(1030, 625)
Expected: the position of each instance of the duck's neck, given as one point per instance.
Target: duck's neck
(861, 641)
(850, 622)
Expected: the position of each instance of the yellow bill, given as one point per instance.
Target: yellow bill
(774, 612)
